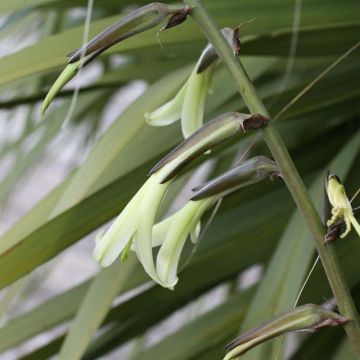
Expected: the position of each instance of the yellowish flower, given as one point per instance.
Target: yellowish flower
(341, 206)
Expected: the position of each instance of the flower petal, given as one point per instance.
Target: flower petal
(194, 101)
(161, 229)
(153, 195)
(169, 112)
(169, 254)
(68, 73)
(110, 246)
(195, 233)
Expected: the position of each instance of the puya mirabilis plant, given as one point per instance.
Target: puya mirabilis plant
(287, 169)
(135, 227)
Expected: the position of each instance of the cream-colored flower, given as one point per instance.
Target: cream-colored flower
(134, 224)
(135, 227)
(188, 105)
(172, 233)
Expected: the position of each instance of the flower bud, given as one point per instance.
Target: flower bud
(211, 134)
(249, 172)
(136, 22)
(307, 317)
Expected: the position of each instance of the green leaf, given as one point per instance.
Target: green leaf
(208, 330)
(102, 291)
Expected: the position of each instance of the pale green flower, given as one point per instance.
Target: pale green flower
(134, 224)
(189, 103)
(172, 233)
(134, 228)
(307, 317)
(136, 22)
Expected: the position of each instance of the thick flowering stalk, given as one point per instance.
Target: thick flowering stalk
(304, 318)
(189, 103)
(134, 228)
(341, 207)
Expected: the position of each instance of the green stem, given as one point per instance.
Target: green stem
(289, 172)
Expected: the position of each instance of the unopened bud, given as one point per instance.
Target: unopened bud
(137, 21)
(211, 134)
(308, 317)
(249, 172)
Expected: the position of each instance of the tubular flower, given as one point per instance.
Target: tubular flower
(189, 103)
(341, 206)
(135, 227)
(172, 233)
(308, 317)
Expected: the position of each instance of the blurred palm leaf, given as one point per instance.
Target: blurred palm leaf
(252, 227)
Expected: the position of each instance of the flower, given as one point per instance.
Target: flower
(307, 317)
(172, 233)
(341, 206)
(134, 225)
(189, 103)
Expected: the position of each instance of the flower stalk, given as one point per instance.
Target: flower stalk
(287, 168)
